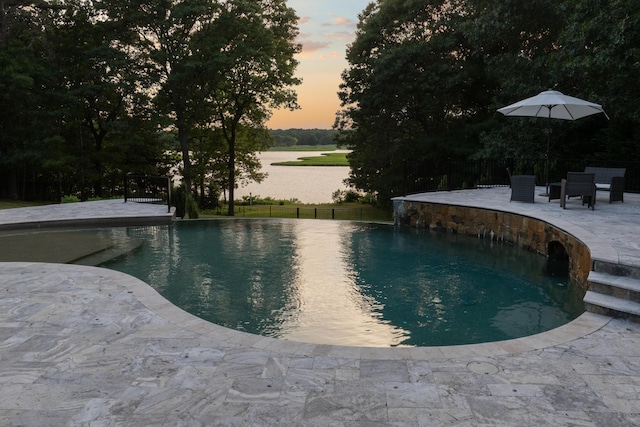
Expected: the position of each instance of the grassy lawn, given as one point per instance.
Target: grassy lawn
(10, 204)
(326, 159)
(343, 211)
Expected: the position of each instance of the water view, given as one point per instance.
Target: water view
(308, 184)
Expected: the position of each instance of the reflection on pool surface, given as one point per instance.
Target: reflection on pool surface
(350, 283)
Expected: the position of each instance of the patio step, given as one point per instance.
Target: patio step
(615, 296)
(616, 269)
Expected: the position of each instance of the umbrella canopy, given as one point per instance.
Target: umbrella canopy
(553, 105)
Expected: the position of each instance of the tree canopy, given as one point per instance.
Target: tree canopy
(92, 90)
(425, 79)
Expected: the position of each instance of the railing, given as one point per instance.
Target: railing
(148, 189)
(277, 211)
(427, 176)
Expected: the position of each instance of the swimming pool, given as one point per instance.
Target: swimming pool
(350, 283)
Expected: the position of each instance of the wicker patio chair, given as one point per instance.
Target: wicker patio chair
(523, 188)
(578, 184)
(609, 179)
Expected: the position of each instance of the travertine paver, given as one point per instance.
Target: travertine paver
(88, 346)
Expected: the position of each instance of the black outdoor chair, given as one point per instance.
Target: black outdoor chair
(609, 179)
(523, 188)
(578, 184)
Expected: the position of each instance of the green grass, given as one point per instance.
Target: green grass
(326, 159)
(10, 204)
(343, 211)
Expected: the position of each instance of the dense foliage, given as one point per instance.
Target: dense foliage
(425, 79)
(92, 90)
(293, 137)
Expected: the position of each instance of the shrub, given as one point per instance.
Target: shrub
(185, 205)
(70, 199)
(342, 196)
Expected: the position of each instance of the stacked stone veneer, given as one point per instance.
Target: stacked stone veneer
(523, 231)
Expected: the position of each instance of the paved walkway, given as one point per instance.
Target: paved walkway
(89, 346)
(104, 212)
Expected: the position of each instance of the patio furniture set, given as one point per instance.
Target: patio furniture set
(577, 184)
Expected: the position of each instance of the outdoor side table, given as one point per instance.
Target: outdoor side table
(554, 190)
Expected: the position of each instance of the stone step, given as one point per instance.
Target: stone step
(626, 288)
(616, 269)
(612, 306)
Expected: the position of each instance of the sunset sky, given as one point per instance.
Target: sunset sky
(326, 28)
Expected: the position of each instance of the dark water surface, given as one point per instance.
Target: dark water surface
(351, 283)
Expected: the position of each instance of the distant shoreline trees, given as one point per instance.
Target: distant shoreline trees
(311, 137)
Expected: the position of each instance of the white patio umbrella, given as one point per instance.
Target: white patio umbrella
(552, 105)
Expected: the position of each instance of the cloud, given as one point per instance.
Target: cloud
(333, 54)
(341, 22)
(310, 47)
(313, 42)
(344, 21)
(343, 36)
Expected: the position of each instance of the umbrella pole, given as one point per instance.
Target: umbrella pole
(546, 166)
(548, 152)
(546, 193)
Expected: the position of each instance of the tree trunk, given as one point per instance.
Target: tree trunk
(183, 138)
(232, 172)
(4, 32)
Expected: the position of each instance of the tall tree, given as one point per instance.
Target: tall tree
(598, 58)
(106, 84)
(514, 41)
(256, 71)
(411, 82)
(222, 64)
(26, 75)
(185, 72)
(425, 78)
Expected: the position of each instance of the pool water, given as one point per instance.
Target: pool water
(350, 283)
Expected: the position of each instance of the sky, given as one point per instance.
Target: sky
(326, 28)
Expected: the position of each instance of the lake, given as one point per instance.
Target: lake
(308, 184)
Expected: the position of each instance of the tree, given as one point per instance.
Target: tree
(211, 161)
(186, 74)
(514, 42)
(222, 64)
(26, 76)
(256, 73)
(598, 59)
(411, 83)
(584, 49)
(425, 79)
(105, 83)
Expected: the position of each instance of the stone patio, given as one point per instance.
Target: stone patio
(88, 346)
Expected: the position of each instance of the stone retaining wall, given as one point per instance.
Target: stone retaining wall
(528, 233)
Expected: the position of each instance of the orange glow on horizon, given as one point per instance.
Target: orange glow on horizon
(311, 115)
(318, 100)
